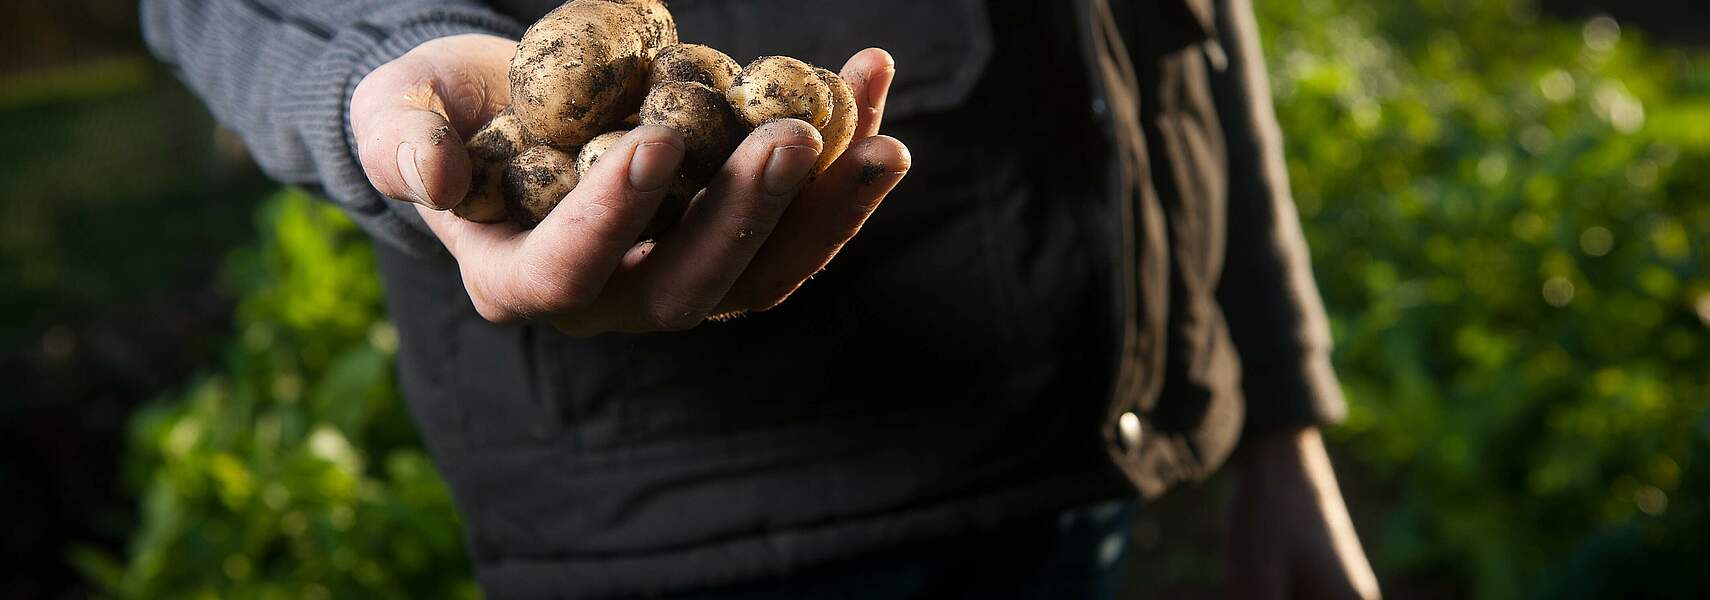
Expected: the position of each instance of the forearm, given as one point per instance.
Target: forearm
(281, 74)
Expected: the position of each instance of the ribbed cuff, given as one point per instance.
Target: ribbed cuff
(321, 106)
(1291, 395)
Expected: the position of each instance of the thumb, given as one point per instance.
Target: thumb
(407, 146)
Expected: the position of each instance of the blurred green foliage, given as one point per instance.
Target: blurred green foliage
(1508, 219)
(118, 203)
(293, 471)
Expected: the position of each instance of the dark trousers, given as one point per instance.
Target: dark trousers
(1073, 555)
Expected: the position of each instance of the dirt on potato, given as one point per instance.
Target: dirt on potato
(536, 181)
(699, 113)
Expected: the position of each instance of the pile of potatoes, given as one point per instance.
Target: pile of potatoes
(591, 69)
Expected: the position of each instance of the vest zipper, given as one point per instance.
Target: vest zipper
(1139, 368)
(1118, 190)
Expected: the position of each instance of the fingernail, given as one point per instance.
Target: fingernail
(412, 174)
(652, 166)
(787, 168)
(877, 95)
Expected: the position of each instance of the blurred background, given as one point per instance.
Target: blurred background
(1509, 211)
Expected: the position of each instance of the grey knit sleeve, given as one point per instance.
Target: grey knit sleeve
(281, 72)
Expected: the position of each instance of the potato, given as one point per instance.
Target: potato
(536, 181)
(693, 62)
(659, 29)
(839, 130)
(780, 87)
(583, 67)
(490, 151)
(701, 116)
(594, 148)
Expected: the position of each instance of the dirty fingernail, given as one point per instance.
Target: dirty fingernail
(652, 166)
(787, 167)
(412, 173)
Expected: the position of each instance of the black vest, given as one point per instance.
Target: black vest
(968, 359)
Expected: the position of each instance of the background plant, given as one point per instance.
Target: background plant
(292, 470)
(1508, 218)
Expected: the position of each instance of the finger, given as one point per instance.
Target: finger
(869, 74)
(818, 223)
(561, 267)
(575, 249)
(410, 116)
(407, 146)
(689, 269)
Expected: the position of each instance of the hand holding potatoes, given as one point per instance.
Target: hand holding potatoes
(757, 232)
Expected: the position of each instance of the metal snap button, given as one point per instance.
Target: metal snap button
(1128, 431)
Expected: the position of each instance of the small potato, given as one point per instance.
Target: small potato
(780, 87)
(583, 67)
(693, 62)
(490, 151)
(594, 148)
(839, 130)
(701, 116)
(536, 181)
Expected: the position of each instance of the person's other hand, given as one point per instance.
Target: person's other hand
(746, 244)
(1290, 535)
